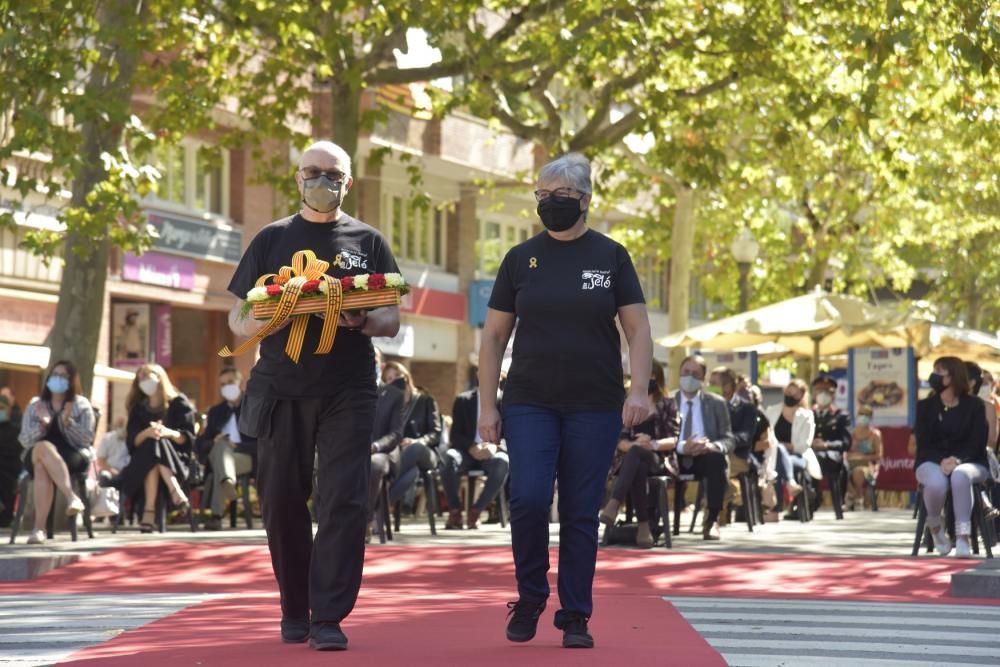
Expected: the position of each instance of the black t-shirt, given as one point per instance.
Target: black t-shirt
(566, 295)
(351, 364)
(783, 430)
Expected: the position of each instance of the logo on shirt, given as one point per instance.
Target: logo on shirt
(351, 259)
(596, 279)
(533, 263)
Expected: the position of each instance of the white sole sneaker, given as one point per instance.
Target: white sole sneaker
(75, 507)
(942, 543)
(962, 548)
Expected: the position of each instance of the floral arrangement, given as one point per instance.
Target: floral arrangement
(357, 284)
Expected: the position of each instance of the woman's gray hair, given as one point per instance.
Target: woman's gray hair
(572, 167)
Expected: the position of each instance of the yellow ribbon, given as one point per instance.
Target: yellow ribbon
(305, 267)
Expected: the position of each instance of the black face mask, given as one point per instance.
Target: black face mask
(791, 401)
(559, 213)
(936, 381)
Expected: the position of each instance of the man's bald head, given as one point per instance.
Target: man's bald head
(326, 155)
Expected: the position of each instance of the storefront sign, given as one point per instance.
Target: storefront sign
(196, 239)
(479, 298)
(425, 302)
(162, 270)
(26, 322)
(130, 334)
(884, 380)
(400, 345)
(164, 334)
(742, 363)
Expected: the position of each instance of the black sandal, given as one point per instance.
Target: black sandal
(147, 526)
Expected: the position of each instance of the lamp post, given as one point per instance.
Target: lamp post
(744, 249)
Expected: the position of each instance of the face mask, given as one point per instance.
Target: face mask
(321, 194)
(58, 385)
(149, 385)
(824, 399)
(986, 392)
(4, 417)
(936, 381)
(230, 392)
(559, 213)
(864, 420)
(690, 384)
(791, 401)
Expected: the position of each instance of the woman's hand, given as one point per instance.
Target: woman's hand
(67, 413)
(490, 424)
(635, 411)
(42, 412)
(949, 464)
(643, 440)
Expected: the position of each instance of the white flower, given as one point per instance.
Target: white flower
(361, 281)
(257, 294)
(394, 280)
(324, 287)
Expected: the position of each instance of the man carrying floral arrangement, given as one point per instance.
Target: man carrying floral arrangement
(301, 402)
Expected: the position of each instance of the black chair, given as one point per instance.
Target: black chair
(244, 494)
(430, 482)
(679, 489)
(470, 488)
(383, 522)
(659, 519)
(747, 496)
(982, 526)
(79, 484)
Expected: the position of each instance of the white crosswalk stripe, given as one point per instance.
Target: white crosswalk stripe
(41, 629)
(757, 632)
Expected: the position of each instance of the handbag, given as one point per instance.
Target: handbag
(104, 500)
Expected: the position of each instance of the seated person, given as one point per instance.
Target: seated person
(864, 456)
(387, 433)
(469, 452)
(832, 440)
(10, 463)
(643, 449)
(421, 431)
(223, 448)
(793, 426)
(58, 434)
(160, 439)
(706, 439)
(112, 454)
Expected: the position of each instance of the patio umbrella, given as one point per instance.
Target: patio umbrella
(813, 325)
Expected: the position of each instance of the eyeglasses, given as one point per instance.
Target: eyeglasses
(542, 195)
(334, 175)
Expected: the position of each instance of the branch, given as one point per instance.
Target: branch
(814, 222)
(708, 89)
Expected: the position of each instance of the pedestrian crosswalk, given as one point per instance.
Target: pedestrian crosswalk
(758, 632)
(41, 629)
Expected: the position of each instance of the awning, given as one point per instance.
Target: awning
(35, 359)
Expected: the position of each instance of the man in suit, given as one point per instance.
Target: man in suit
(706, 439)
(228, 452)
(387, 433)
(469, 452)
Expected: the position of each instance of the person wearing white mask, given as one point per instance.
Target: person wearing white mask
(160, 439)
(229, 453)
(864, 457)
(58, 435)
(832, 439)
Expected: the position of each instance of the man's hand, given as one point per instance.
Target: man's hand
(482, 451)
(696, 447)
(819, 444)
(405, 442)
(635, 410)
(490, 425)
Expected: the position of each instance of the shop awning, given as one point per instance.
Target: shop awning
(35, 359)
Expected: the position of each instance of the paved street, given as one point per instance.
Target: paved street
(829, 592)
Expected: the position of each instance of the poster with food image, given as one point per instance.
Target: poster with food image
(883, 379)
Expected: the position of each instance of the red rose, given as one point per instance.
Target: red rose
(376, 281)
(347, 283)
(273, 290)
(310, 286)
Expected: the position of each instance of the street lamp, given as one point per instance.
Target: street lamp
(744, 249)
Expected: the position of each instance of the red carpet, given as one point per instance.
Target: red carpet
(446, 604)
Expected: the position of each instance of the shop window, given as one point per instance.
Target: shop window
(416, 234)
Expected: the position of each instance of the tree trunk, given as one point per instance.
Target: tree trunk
(972, 301)
(346, 124)
(76, 332)
(681, 250)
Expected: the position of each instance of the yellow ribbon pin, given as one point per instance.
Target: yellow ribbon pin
(533, 263)
(305, 267)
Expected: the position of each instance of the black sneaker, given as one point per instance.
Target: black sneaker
(574, 627)
(327, 637)
(294, 630)
(523, 621)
